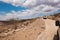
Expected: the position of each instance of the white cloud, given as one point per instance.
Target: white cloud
(49, 8)
(31, 2)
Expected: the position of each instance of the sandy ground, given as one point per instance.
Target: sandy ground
(41, 29)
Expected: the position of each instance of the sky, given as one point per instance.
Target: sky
(26, 9)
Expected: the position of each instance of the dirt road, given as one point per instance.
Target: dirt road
(50, 30)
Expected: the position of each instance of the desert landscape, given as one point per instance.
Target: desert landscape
(40, 28)
(29, 19)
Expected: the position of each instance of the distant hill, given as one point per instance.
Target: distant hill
(53, 17)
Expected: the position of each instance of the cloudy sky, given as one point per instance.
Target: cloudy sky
(25, 9)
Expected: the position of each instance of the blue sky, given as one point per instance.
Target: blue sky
(5, 7)
(23, 9)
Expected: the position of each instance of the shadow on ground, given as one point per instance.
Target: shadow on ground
(55, 37)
